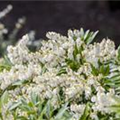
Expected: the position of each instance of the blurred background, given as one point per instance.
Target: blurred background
(59, 16)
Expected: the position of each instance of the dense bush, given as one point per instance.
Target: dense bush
(68, 78)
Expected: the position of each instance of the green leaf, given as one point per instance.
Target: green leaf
(23, 101)
(113, 81)
(4, 98)
(21, 118)
(82, 34)
(34, 98)
(94, 70)
(86, 113)
(91, 37)
(75, 52)
(74, 65)
(86, 34)
(115, 108)
(6, 64)
(107, 70)
(14, 105)
(24, 108)
(19, 82)
(61, 112)
(48, 110)
(118, 53)
(61, 71)
(104, 69)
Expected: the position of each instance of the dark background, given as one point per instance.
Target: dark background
(59, 16)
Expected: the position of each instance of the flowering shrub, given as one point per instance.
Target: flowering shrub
(68, 78)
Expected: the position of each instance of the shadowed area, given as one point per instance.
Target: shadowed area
(60, 16)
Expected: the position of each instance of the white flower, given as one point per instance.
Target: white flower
(100, 51)
(78, 109)
(40, 69)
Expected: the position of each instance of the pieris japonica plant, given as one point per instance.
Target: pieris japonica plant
(68, 78)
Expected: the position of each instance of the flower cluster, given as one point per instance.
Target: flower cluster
(67, 69)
